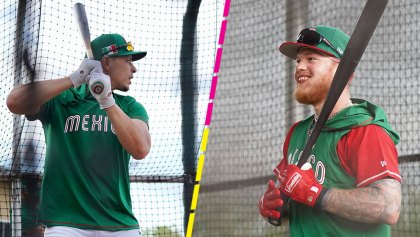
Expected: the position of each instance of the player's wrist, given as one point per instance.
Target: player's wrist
(319, 200)
(75, 79)
(79, 76)
(107, 102)
(314, 195)
(100, 87)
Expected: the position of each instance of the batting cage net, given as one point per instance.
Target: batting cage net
(172, 83)
(254, 105)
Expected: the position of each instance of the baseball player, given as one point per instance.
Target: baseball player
(90, 134)
(352, 185)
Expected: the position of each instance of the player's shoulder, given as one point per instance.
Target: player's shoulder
(368, 129)
(294, 126)
(125, 99)
(372, 133)
(128, 103)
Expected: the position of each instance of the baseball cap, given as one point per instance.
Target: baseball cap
(329, 40)
(114, 45)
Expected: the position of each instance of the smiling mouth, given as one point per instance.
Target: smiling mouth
(302, 79)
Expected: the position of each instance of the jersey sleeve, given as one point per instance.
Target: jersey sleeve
(135, 110)
(44, 112)
(281, 166)
(368, 154)
(69, 96)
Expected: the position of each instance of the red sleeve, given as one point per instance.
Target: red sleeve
(284, 162)
(368, 154)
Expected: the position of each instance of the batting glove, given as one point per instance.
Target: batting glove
(100, 87)
(271, 202)
(301, 186)
(79, 77)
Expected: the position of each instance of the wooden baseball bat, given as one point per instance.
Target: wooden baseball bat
(80, 14)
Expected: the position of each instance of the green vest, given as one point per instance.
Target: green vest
(310, 222)
(86, 177)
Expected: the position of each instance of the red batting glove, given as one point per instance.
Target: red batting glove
(301, 186)
(271, 202)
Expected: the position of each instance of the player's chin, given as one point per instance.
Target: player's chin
(123, 88)
(303, 97)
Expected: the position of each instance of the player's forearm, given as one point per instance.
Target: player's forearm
(380, 202)
(27, 98)
(133, 134)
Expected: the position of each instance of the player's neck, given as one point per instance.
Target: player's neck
(340, 105)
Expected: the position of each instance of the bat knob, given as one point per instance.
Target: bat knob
(275, 222)
(97, 87)
(306, 166)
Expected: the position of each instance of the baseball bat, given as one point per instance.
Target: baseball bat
(356, 46)
(80, 14)
(81, 18)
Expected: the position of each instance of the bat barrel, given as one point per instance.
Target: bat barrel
(81, 18)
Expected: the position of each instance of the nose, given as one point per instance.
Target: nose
(133, 69)
(300, 65)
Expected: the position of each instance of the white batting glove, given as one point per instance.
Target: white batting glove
(100, 87)
(79, 77)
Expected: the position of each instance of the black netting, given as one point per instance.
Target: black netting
(48, 29)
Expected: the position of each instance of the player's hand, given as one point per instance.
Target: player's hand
(271, 202)
(100, 87)
(301, 185)
(79, 77)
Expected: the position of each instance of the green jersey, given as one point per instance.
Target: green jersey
(86, 177)
(307, 221)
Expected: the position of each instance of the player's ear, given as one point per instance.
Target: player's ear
(105, 61)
